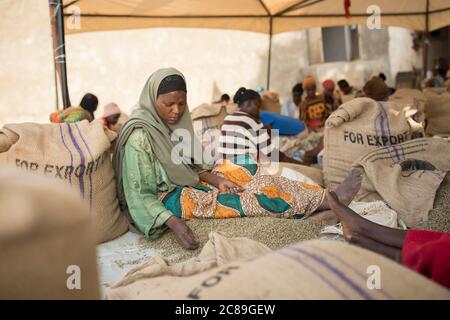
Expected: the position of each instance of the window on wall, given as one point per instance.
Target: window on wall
(333, 44)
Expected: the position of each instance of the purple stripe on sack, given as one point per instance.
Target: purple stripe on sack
(383, 129)
(336, 271)
(388, 129)
(375, 130)
(68, 150)
(82, 161)
(318, 274)
(380, 116)
(345, 263)
(92, 159)
(375, 122)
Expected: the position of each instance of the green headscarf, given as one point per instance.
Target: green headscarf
(159, 134)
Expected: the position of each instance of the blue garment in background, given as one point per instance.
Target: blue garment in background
(287, 126)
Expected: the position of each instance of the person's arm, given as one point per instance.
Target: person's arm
(285, 158)
(303, 111)
(140, 187)
(224, 185)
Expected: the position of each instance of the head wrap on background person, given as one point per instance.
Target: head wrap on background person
(376, 89)
(163, 137)
(328, 85)
(309, 80)
(111, 109)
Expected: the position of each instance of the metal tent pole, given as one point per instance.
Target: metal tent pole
(425, 39)
(59, 50)
(269, 60)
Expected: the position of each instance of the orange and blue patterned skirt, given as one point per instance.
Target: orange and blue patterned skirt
(263, 195)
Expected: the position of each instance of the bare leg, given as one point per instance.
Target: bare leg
(372, 245)
(347, 190)
(183, 233)
(354, 225)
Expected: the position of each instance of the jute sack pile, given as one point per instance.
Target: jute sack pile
(413, 101)
(358, 127)
(270, 102)
(437, 111)
(76, 154)
(47, 240)
(309, 270)
(406, 176)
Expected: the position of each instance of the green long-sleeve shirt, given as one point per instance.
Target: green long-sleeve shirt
(143, 178)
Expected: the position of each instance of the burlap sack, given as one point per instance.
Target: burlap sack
(215, 113)
(407, 186)
(437, 111)
(270, 102)
(358, 127)
(309, 270)
(77, 154)
(347, 97)
(218, 251)
(6, 141)
(46, 240)
(413, 101)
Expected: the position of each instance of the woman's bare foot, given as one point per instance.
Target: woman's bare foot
(328, 217)
(348, 189)
(183, 233)
(356, 228)
(349, 219)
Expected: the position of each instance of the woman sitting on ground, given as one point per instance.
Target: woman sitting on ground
(159, 188)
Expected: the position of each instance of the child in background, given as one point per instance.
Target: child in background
(313, 110)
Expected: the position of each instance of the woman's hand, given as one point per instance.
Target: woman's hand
(183, 233)
(227, 186)
(224, 185)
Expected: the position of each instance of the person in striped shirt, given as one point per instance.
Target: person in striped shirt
(244, 134)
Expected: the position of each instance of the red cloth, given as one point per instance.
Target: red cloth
(347, 5)
(428, 253)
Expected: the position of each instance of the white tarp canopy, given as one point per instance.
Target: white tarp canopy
(265, 16)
